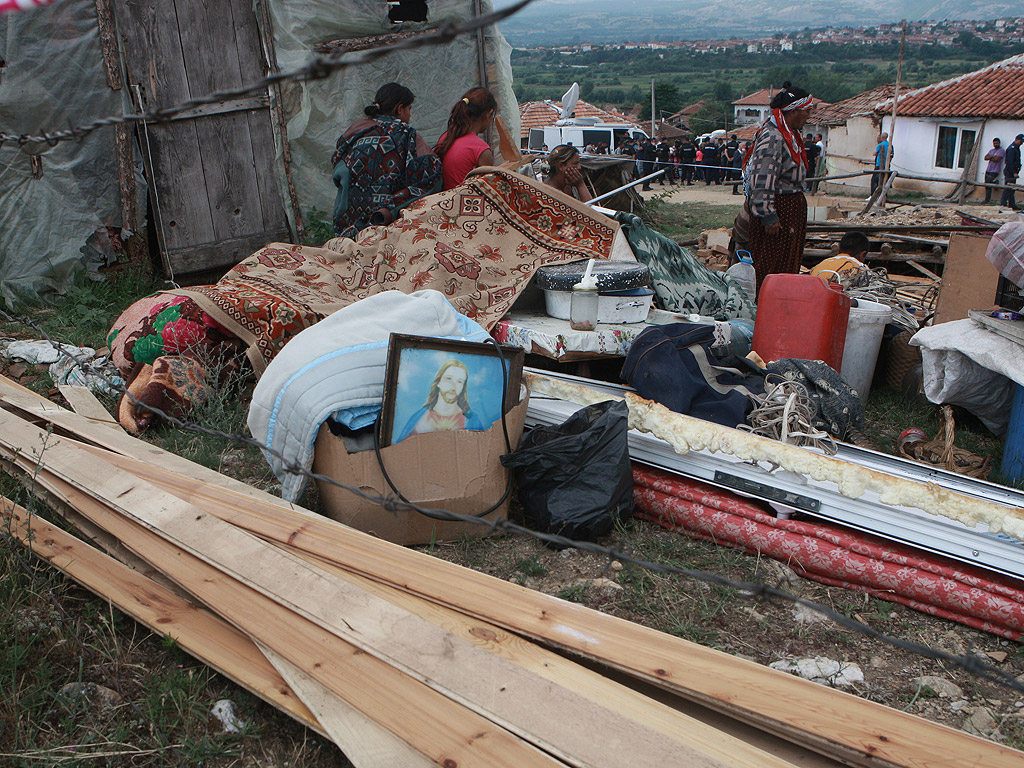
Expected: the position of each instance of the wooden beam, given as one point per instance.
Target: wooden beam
(84, 402)
(857, 731)
(404, 706)
(208, 638)
(463, 669)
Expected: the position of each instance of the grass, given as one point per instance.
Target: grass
(683, 221)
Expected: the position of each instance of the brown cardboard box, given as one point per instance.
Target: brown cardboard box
(458, 471)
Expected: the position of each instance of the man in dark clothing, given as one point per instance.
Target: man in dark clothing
(687, 157)
(1011, 170)
(732, 146)
(647, 156)
(662, 155)
(813, 150)
(711, 161)
(995, 165)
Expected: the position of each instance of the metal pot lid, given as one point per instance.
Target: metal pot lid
(611, 275)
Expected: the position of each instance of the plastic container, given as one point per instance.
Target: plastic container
(801, 317)
(630, 306)
(743, 273)
(863, 338)
(1013, 449)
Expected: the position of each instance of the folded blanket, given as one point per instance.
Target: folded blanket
(339, 364)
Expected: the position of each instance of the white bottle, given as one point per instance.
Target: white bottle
(743, 273)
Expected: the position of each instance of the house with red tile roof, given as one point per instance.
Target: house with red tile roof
(755, 107)
(850, 130)
(945, 129)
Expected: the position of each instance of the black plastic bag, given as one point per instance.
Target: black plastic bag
(575, 478)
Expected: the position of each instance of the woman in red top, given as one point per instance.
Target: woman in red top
(460, 148)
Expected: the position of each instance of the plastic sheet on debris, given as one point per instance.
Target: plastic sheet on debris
(318, 111)
(965, 364)
(53, 78)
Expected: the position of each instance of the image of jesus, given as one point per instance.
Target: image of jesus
(447, 404)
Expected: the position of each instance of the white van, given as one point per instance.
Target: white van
(581, 131)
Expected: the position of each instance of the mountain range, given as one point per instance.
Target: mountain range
(565, 22)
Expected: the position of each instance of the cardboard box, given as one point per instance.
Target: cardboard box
(458, 471)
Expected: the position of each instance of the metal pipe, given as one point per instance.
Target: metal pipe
(624, 186)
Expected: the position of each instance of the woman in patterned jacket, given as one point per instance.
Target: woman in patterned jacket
(381, 164)
(775, 210)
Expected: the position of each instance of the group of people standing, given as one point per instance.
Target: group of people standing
(1006, 161)
(687, 161)
(382, 164)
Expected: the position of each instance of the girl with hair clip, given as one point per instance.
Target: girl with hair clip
(565, 174)
(460, 148)
(381, 164)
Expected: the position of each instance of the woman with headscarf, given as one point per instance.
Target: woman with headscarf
(460, 147)
(775, 211)
(381, 164)
(565, 174)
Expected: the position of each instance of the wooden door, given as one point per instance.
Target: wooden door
(211, 173)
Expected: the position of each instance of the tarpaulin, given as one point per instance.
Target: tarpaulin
(54, 77)
(318, 111)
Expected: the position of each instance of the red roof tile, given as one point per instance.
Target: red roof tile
(841, 111)
(763, 98)
(996, 91)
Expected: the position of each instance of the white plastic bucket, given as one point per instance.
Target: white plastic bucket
(863, 339)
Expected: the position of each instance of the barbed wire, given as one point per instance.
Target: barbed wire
(317, 68)
(972, 664)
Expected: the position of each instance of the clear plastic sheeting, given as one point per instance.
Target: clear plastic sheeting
(317, 112)
(53, 77)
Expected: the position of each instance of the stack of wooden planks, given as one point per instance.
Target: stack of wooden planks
(405, 660)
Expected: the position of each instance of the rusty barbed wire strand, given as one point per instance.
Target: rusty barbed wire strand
(317, 68)
(747, 590)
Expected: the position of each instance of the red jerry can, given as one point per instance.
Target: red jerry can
(802, 317)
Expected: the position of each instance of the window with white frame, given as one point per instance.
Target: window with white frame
(954, 146)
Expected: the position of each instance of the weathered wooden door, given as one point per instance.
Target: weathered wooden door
(211, 173)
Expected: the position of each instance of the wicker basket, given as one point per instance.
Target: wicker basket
(941, 452)
(901, 358)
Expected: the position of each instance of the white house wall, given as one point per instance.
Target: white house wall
(916, 141)
(851, 149)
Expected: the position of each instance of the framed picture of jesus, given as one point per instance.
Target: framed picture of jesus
(432, 385)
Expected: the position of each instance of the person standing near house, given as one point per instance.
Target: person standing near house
(711, 171)
(812, 150)
(881, 150)
(775, 210)
(1011, 170)
(460, 147)
(995, 165)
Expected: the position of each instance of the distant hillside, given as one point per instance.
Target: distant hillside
(557, 22)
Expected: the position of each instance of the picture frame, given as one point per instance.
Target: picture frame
(433, 385)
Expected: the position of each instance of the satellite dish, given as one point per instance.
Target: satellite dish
(569, 101)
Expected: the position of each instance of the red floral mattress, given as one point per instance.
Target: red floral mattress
(834, 555)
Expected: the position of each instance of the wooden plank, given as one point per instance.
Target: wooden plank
(366, 744)
(495, 688)
(969, 280)
(84, 402)
(208, 638)
(1013, 330)
(198, 257)
(924, 270)
(171, 152)
(401, 704)
(834, 723)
